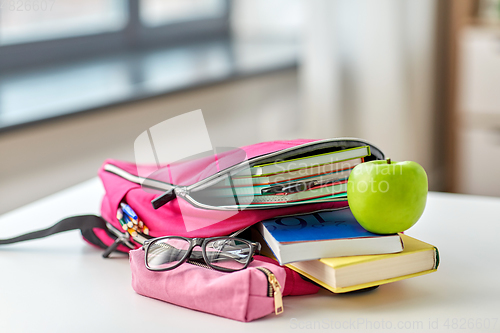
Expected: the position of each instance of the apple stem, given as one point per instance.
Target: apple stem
(388, 161)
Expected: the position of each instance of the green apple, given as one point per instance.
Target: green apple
(387, 197)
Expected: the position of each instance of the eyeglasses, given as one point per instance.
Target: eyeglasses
(227, 254)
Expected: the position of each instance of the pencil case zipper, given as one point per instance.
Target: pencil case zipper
(273, 289)
(273, 286)
(172, 191)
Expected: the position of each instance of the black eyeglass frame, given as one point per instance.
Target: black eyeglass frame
(202, 242)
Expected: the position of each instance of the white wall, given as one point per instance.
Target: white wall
(367, 68)
(267, 19)
(367, 71)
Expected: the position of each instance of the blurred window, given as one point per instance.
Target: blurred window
(24, 21)
(160, 12)
(35, 32)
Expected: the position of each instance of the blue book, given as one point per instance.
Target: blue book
(323, 235)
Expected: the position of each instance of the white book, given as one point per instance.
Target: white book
(327, 191)
(310, 161)
(342, 168)
(225, 190)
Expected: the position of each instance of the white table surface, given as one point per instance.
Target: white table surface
(61, 284)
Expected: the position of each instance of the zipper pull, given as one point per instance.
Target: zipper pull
(278, 297)
(163, 199)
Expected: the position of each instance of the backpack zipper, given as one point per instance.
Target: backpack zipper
(183, 191)
(273, 289)
(236, 167)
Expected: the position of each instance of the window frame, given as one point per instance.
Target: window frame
(135, 34)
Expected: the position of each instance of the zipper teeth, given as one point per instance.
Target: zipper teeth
(119, 234)
(259, 206)
(151, 183)
(315, 211)
(267, 272)
(199, 264)
(134, 179)
(257, 158)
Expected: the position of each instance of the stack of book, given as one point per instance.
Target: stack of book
(333, 250)
(321, 177)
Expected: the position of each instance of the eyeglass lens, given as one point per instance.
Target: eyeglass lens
(228, 253)
(167, 252)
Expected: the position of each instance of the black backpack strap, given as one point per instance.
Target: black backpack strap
(84, 223)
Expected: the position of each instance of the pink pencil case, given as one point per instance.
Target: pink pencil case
(244, 295)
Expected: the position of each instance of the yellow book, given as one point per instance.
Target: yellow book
(344, 274)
